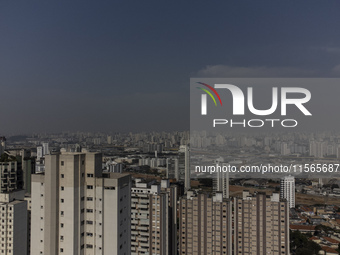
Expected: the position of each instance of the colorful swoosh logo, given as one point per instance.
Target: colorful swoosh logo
(209, 93)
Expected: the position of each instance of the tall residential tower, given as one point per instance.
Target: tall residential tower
(76, 209)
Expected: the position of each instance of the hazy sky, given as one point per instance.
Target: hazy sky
(126, 65)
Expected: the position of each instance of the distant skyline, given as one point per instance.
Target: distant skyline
(126, 66)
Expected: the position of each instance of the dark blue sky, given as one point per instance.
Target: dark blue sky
(126, 65)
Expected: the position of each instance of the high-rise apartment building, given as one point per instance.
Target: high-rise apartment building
(11, 176)
(184, 166)
(172, 168)
(287, 190)
(29, 203)
(40, 152)
(2, 144)
(13, 223)
(76, 209)
(13, 208)
(172, 191)
(221, 180)
(149, 220)
(205, 224)
(46, 149)
(109, 139)
(317, 148)
(261, 225)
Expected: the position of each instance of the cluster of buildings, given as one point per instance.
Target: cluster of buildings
(324, 221)
(74, 201)
(318, 145)
(321, 148)
(79, 205)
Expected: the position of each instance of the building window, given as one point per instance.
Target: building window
(62, 187)
(89, 187)
(62, 176)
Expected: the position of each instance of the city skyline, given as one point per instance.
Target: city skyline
(73, 193)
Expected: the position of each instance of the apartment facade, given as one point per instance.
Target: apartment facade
(184, 166)
(13, 223)
(261, 225)
(205, 224)
(172, 191)
(76, 209)
(11, 176)
(149, 220)
(287, 190)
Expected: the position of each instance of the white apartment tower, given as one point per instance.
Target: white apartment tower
(46, 149)
(287, 190)
(77, 210)
(13, 223)
(184, 166)
(221, 181)
(40, 152)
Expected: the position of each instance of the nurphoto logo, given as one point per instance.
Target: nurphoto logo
(301, 97)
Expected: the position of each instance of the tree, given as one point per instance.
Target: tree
(206, 182)
(335, 186)
(302, 245)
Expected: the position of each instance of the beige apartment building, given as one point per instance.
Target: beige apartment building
(149, 220)
(78, 210)
(261, 225)
(205, 224)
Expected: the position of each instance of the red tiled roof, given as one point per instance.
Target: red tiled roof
(302, 227)
(331, 240)
(329, 249)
